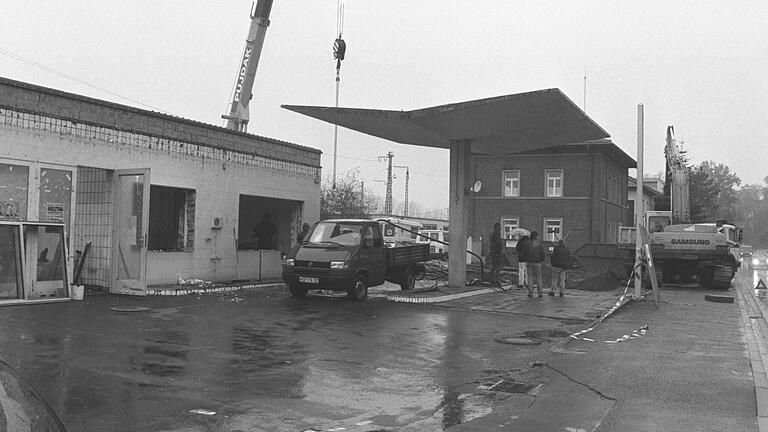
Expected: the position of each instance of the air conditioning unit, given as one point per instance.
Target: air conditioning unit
(216, 223)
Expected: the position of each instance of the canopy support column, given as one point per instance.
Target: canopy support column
(458, 212)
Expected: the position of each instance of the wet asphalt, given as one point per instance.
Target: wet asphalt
(261, 360)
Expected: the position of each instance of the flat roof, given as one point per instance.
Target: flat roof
(36, 99)
(498, 125)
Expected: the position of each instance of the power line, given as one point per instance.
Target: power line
(75, 79)
(444, 176)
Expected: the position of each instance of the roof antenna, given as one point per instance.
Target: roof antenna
(584, 108)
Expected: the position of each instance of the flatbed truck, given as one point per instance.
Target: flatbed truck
(351, 255)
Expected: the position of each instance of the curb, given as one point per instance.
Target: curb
(754, 320)
(438, 299)
(209, 290)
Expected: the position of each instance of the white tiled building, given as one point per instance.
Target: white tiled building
(156, 196)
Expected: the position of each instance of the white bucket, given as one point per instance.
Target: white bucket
(77, 292)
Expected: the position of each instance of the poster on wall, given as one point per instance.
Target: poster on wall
(54, 212)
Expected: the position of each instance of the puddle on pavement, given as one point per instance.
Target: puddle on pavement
(546, 333)
(458, 408)
(533, 337)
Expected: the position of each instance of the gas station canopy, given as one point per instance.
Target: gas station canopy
(499, 125)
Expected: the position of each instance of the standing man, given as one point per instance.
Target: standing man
(266, 233)
(303, 233)
(522, 273)
(495, 254)
(561, 260)
(534, 256)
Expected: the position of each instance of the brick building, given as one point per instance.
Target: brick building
(578, 191)
(653, 188)
(156, 196)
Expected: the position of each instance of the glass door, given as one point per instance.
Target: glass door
(129, 238)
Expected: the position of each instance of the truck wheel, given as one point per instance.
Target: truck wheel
(359, 289)
(409, 279)
(297, 291)
(722, 277)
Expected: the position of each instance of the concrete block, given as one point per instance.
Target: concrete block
(718, 298)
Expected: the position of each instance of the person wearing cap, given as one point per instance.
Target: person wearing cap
(560, 260)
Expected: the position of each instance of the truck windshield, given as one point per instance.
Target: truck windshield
(339, 233)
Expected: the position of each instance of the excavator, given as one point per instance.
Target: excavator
(683, 251)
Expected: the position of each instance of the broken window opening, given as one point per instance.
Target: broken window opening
(171, 219)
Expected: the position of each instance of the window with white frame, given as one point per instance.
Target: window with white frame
(554, 183)
(511, 179)
(553, 229)
(508, 225)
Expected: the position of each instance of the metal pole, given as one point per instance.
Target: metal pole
(335, 131)
(639, 205)
(388, 198)
(406, 191)
(407, 177)
(585, 89)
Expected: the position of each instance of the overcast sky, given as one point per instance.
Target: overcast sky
(700, 66)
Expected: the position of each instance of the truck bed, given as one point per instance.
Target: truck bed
(402, 255)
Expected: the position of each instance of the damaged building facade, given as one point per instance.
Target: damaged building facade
(144, 198)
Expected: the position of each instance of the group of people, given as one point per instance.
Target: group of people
(531, 255)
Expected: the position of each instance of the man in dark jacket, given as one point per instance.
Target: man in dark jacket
(495, 253)
(533, 254)
(561, 261)
(522, 279)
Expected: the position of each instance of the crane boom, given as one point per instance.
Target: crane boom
(237, 119)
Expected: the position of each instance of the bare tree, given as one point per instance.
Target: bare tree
(346, 199)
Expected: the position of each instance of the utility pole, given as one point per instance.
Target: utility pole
(639, 206)
(407, 175)
(388, 197)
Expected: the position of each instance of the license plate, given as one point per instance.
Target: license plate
(312, 280)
